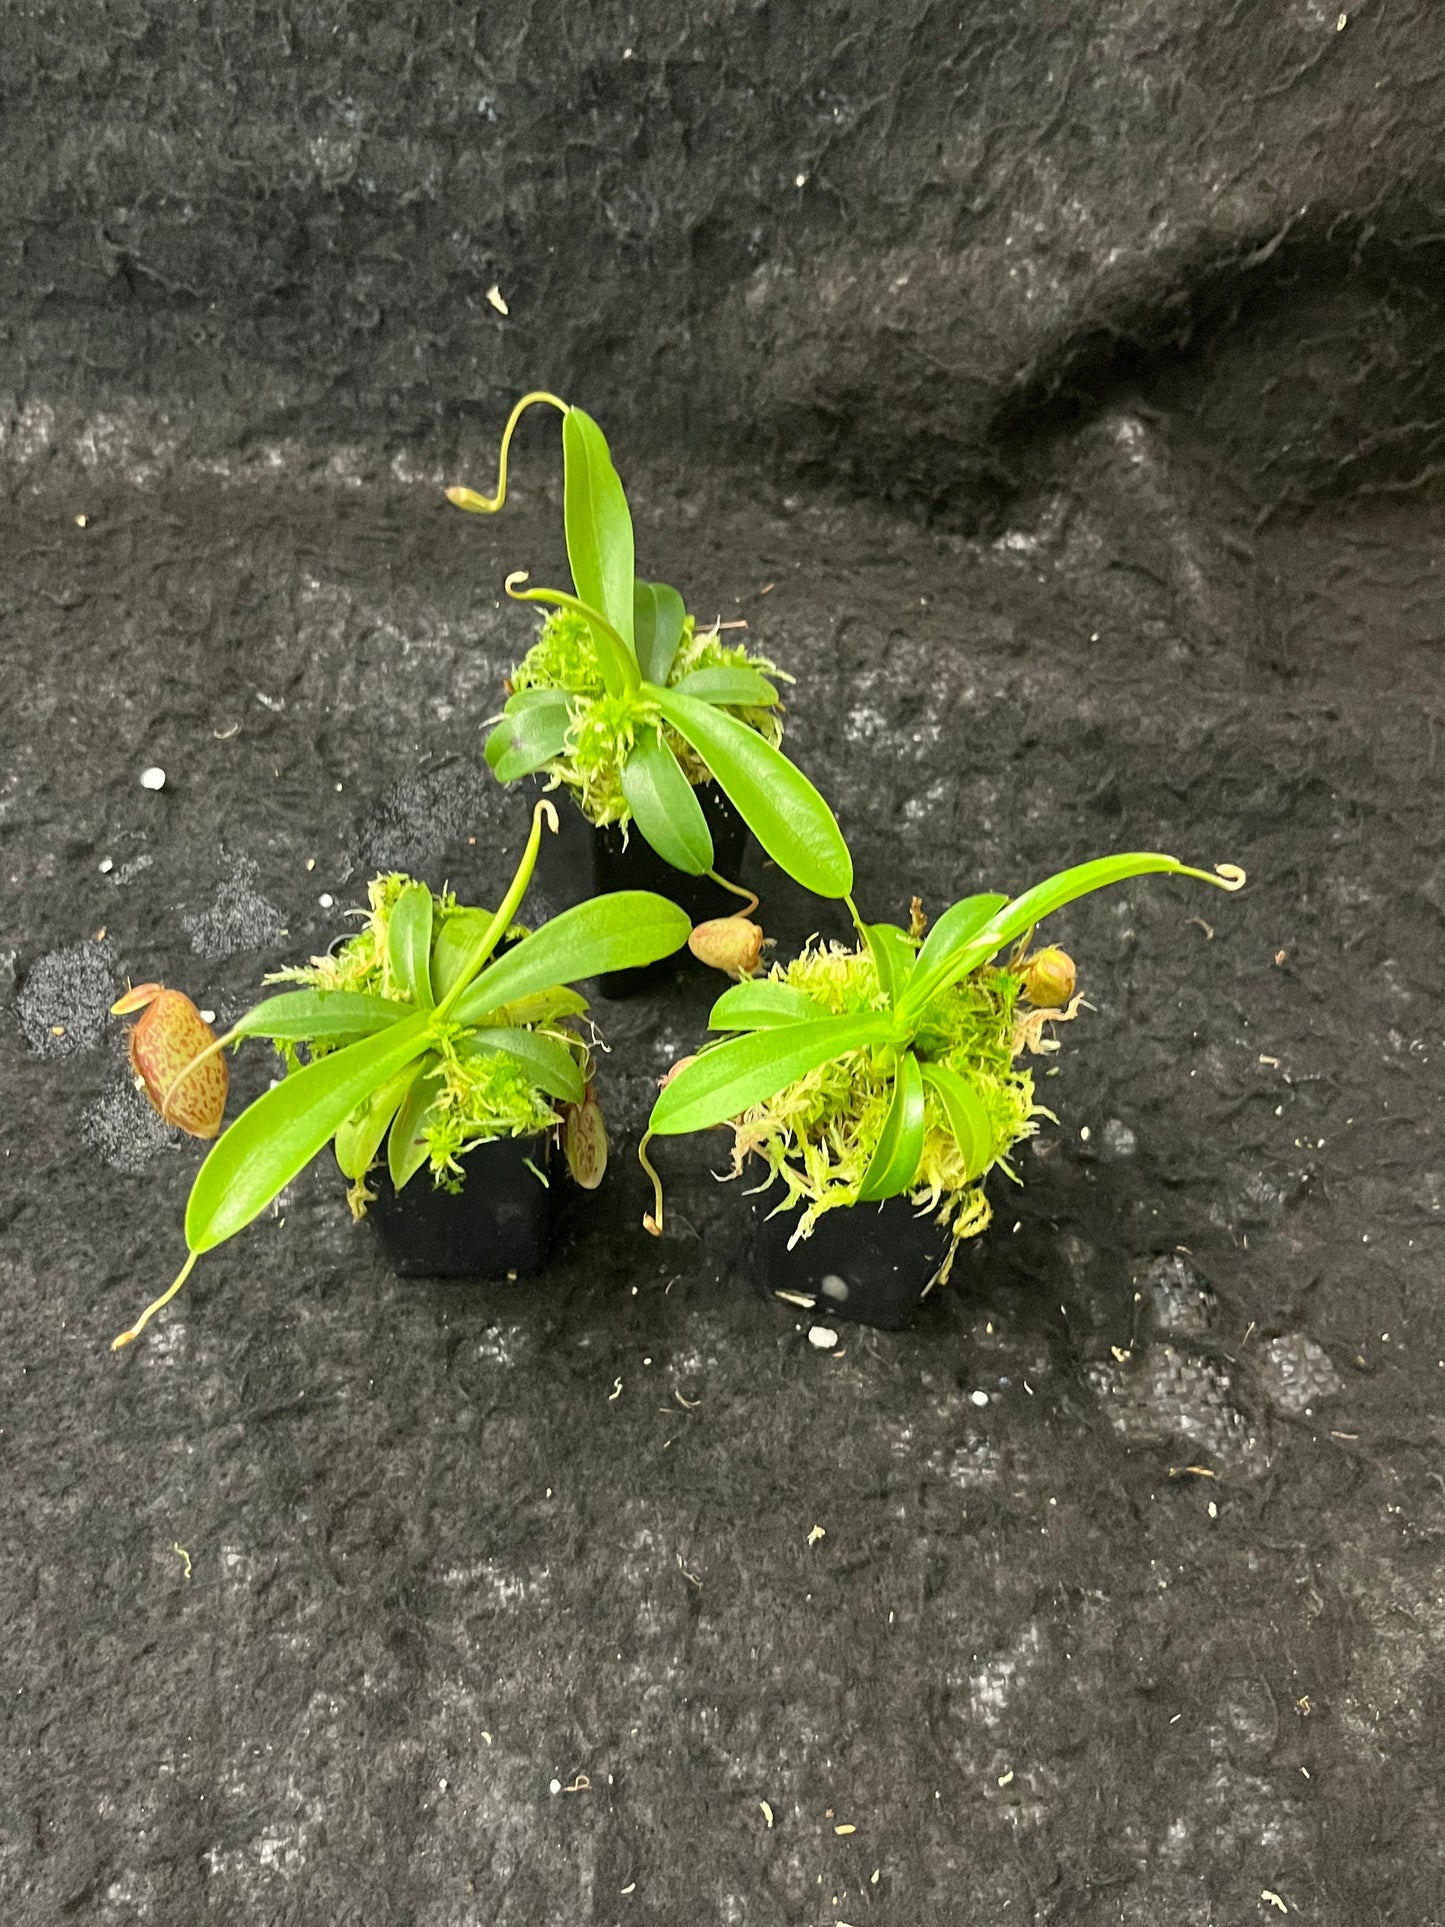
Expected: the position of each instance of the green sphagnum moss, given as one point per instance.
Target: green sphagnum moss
(817, 1135)
(604, 728)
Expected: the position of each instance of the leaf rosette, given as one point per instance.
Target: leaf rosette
(892, 1068)
(628, 705)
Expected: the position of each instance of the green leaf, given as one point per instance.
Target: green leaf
(657, 619)
(320, 1017)
(456, 938)
(614, 654)
(759, 1003)
(780, 806)
(282, 1131)
(729, 1078)
(741, 688)
(1020, 916)
(967, 1118)
(521, 699)
(894, 1163)
(665, 806)
(547, 1061)
(599, 527)
(953, 932)
(406, 1147)
(528, 737)
(358, 1139)
(408, 943)
(542, 1006)
(616, 932)
(893, 955)
(1016, 918)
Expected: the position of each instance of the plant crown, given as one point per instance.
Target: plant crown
(634, 721)
(603, 730)
(383, 1062)
(477, 1093)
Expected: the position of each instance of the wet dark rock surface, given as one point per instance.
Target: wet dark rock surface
(1127, 1605)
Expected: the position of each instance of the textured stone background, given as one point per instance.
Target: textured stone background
(888, 246)
(1158, 567)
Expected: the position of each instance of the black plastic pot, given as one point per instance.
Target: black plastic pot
(869, 1262)
(582, 862)
(499, 1225)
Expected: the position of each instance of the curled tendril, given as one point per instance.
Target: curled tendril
(652, 1220)
(616, 658)
(1230, 876)
(738, 890)
(158, 1304)
(468, 498)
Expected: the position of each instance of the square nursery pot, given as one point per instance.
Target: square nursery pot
(867, 1262)
(582, 861)
(499, 1225)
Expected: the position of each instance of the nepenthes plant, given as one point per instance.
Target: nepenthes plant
(855, 1075)
(453, 1039)
(626, 702)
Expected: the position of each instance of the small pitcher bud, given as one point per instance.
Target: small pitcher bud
(468, 499)
(163, 1046)
(584, 1141)
(733, 944)
(1048, 978)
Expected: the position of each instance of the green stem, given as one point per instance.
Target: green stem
(858, 923)
(467, 498)
(738, 890)
(622, 675)
(500, 923)
(127, 1337)
(651, 1221)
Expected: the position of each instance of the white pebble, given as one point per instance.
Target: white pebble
(208, 1016)
(978, 1398)
(153, 778)
(554, 1786)
(821, 1338)
(326, 900)
(106, 866)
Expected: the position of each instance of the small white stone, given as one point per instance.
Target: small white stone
(153, 778)
(821, 1338)
(326, 899)
(554, 1786)
(106, 866)
(208, 1016)
(978, 1398)
(835, 1288)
